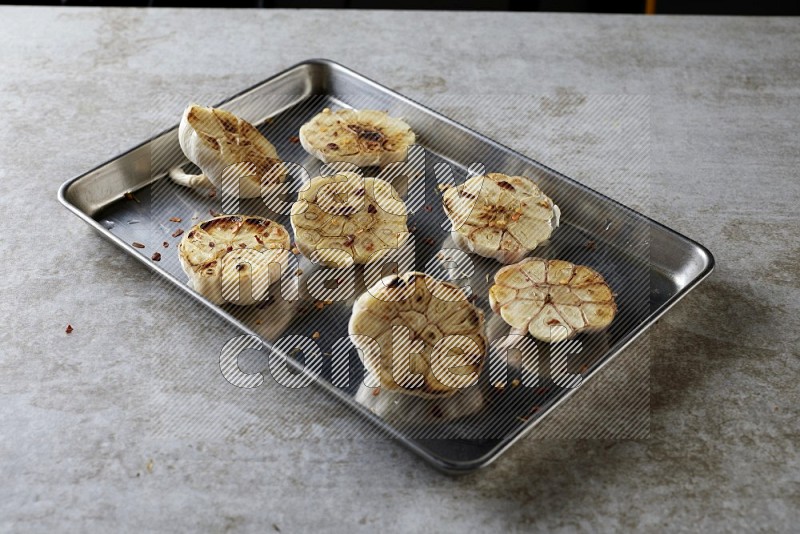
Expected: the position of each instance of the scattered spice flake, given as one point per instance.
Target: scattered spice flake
(264, 303)
(177, 232)
(230, 248)
(430, 241)
(242, 245)
(583, 368)
(212, 193)
(372, 209)
(319, 305)
(165, 244)
(214, 213)
(211, 244)
(137, 244)
(590, 245)
(239, 266)
(332, 146)
(258, 239)
(156, 256)
(412, 229)
(376, 392)
(131, 196)
(294, 139)
(175, 219)
(315, 335)
(429, 208)
(69, 329)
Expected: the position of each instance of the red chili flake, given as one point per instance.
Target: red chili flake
(230, 247)
(242, 245)
(175, 219)
(179, 231)
(165, 244)
(332, 146)
(429, 208)
(294, 139)
(429, 241)
(156, 256)
(212, 193)
(349, 240)
(376, 392)
(553, 322)
(258, 239)
(372, 209)
(412, 229)
(137, 244)
(130, 196)
(69, 329)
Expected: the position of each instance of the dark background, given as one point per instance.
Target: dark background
(710, 7)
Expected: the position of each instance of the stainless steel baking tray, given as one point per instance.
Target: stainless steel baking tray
(649, 266)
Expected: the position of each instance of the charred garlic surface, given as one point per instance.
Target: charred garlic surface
(227, 258)
(419, 334)
(498, 216)
(344, 219)
(364, 138)
(228, 150)
(553, 300)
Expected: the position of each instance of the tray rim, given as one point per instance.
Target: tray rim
(442, 464)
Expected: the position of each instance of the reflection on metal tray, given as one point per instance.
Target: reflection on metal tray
(649, 266)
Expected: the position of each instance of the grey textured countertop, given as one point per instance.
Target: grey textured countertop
(128, 419)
